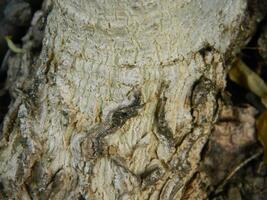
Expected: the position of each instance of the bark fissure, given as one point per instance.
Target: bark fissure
(28, 189)
(115, 120)
(53, 177)
(151, 176)
(163, 129)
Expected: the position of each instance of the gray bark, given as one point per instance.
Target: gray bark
(121, 100)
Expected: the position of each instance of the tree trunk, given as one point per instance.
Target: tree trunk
(121, 100)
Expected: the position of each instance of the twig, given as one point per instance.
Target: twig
(237, 168)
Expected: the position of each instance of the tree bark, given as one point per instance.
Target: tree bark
(121, 100)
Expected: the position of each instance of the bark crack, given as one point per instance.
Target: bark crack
(151, 176)
(115, 120)
(164, 132)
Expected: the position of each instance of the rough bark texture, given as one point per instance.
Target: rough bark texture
(121, 100)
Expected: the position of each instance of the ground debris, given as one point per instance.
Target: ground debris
(234, 153)
(232, 135)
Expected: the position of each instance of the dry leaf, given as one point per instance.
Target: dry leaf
(244, 76)
(262, 132)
